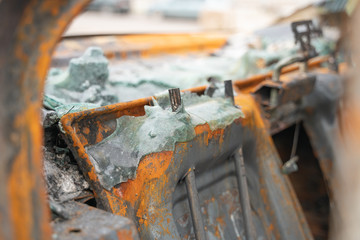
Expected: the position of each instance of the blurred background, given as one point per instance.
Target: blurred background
(153, 45)
(169, 16)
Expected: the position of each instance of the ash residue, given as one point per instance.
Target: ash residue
(63, 178)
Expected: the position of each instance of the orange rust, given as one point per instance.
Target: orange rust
(152, 166)
(202, 128)
(78, 140)
(154, 44)
(23, 174)
(28, 214)
(132, 198)
(145, 45)
(136, 195)
(86, 130)
(211, 134)
(21, 203)
(125, 234)
(217, 232)
(133, 108)
(221, 221)
(149, 185)
(270, 229)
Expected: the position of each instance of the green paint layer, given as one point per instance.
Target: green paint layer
(116, 158)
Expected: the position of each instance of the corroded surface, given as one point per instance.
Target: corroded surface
(149, 198)
(116, 158)
(89, 223)
(30, 30)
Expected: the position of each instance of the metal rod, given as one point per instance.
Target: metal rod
(229, 90)
(195, 206)
(295, 140)
(175, 98)
(244, 194)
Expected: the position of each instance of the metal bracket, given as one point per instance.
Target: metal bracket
(303, 32)
(175, 98)
(229, 93)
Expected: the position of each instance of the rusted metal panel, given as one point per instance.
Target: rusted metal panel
(29, 31)
(250, 84)
(88, 223)
(148, 199)
(142, 45)
(322, 124)
(316, 103)
(290, 91)
(125, 198)
(314, 99)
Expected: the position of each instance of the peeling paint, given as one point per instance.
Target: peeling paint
(116, 158)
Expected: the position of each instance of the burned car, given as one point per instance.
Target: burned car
(215, 156)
